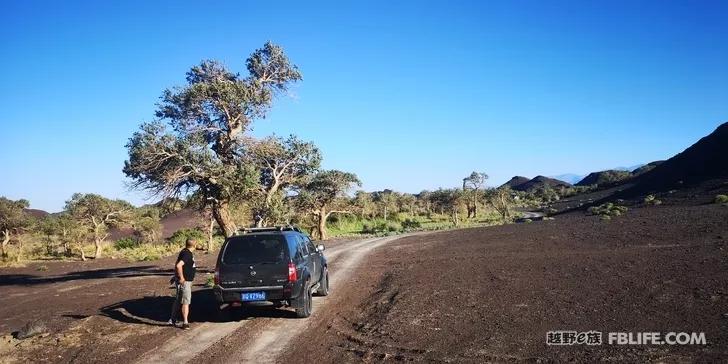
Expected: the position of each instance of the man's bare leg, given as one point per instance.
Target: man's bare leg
(185, 312)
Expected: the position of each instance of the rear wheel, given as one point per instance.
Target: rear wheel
(304, 303)
(323, 289)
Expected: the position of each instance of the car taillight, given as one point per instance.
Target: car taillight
(292, 275)
(217, 275)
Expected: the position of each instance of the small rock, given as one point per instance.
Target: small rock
(31, 329)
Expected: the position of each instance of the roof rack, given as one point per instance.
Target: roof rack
(271, 228)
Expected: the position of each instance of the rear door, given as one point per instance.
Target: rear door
(254, 261)
(315, 259)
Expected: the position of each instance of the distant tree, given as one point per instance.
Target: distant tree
(448, 201)
(406, 202)
(97, 214)
(13, 220)
(324, 195)
(364, 204)
(282, 163)
(205, 148)
(472, 191)
(147, 224)
(386, 201)
(501, 199)
(69, 232)
(424, 202)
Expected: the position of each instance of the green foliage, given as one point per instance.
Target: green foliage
(201, 148)
(721, 199)
(145, 252)
(411, 224)
(179, 238)
(126, 243)
(146, 224)
(608, 210)
(381, 226)
(652, 200)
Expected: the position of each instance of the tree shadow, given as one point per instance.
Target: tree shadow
(156, 310)
(125, 272)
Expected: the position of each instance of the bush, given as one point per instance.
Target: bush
(411, 224)
(125, 243)
(721, 199)
(179, 238)
(651, 200)
(378, 227)
(607, 210)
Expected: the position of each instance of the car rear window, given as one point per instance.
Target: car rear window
(254, 249)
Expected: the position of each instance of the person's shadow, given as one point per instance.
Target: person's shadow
(155, 310)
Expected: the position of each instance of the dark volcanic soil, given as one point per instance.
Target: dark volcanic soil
(492, 294)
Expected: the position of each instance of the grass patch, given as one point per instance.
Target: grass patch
(721, 199)
(651, 200)
(608, 210)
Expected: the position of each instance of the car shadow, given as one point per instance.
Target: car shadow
(156, 310)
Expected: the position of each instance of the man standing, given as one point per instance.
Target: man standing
(184, 270)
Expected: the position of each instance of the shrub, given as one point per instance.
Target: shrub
(209, 280)
(180, 236)
(651, 200)
(378, 227)
(721, 199)
(125, 243)
(411, 224)
(607, 210)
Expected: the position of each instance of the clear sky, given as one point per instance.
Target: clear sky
(408, 95)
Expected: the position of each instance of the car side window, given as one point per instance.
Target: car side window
(303, 245)
(311, 247)
(299, 250)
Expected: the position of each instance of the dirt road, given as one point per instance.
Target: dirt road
(264, 342)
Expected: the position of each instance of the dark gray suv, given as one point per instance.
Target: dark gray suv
(271, 266)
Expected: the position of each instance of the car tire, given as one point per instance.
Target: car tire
(304, 303)
(323, 289)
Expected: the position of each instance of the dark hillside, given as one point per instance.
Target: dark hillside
(515, 182)
(604, 177)
(541, 182)
(705, 160)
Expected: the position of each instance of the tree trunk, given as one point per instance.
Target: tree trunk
(97, 244)
(209, 233)
(83, 253)
(322, 224)
(20, 248)
(221, 212)
(6, 240)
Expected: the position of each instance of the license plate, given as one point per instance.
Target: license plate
(253, 296)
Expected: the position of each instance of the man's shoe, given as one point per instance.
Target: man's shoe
(172, 323)
(185, 326)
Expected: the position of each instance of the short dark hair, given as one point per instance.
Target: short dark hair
(190, 243)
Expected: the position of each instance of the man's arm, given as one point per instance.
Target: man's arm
(178, 268)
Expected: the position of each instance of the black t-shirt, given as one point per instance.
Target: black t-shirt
(188, 269)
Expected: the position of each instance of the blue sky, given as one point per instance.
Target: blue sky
(408, 95)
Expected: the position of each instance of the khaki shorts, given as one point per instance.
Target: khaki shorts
(184, 293)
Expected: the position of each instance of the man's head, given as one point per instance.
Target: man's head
(190, 244)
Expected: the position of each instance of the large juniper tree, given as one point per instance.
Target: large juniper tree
(198, 142)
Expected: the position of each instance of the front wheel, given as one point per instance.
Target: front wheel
(323, 289)
(304, 303)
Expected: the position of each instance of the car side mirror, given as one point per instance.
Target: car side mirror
(320, 247)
